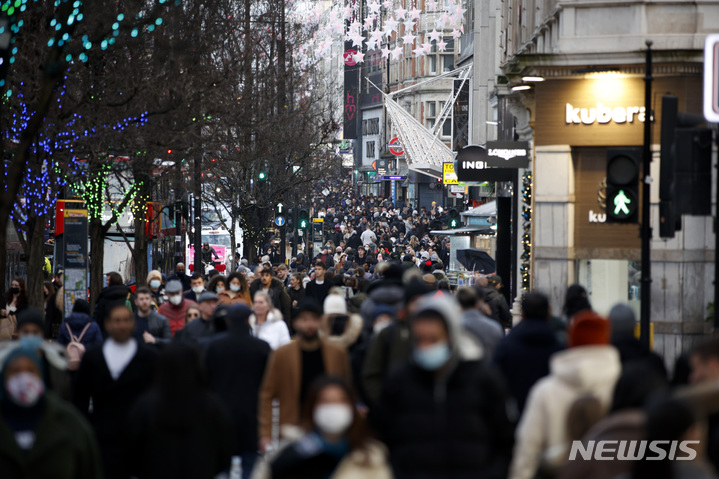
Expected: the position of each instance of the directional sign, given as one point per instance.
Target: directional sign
(280, 220)
(280, 207)
(449, 177)
(711, 78)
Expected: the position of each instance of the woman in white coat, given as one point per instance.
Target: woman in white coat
(267, 323)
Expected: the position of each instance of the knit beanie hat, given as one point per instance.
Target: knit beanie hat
(588, 328)
(335, 304)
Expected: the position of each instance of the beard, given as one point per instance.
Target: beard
(309, 336)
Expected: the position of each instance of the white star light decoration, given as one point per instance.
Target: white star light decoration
(385, 24)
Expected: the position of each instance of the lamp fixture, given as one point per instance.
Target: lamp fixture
(532, 79)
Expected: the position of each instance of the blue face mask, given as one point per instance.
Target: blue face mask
(155, 284)
(30, 341)
(433, 357)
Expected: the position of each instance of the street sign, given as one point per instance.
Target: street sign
(711, 78)
(395, 147)
(318, 220)
(507, 154)
(280, 221)
(449, 177)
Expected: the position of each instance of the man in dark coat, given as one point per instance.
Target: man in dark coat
(276, 290)
(497, 302)
(113, 375)
(235, 364)
(444, 414)
(523, 355)
(318, 288)
(115, 292)
(181, 276)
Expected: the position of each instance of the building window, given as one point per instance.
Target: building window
(370, 126)
(447, 63)
(432, 64)
(370, 149)
(447, 127)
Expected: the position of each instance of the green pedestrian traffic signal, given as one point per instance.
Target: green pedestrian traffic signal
(453, 219)
(304, 219)
(623, 185)
(262, 176)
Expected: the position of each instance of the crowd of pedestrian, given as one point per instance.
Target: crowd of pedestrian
(361, 362)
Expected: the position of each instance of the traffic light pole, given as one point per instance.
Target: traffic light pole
(646, 230)
(716, 241)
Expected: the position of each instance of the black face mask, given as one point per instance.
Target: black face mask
(14, 290)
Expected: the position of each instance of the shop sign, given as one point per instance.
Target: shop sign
(449, 177)
(603, 114)
(507, 154)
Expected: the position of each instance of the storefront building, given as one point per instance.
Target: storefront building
(576, 118)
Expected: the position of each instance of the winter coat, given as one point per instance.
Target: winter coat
(109, 296)
(486, 330)
(295, 295)
(65, 446)
(350, 326)
(382, 292)
(498, 303)
(389, 347)
(280, 298)
(176, 315)
(354, 241)
(541, 436)
(198, 446)
(77, 322)
(235, 364)
(625, 425)
(273, 331)
(304, 457)
(283, 381)
(523, 357)
(159, 327)
(112, 399)
(318, 292)
(632, 350)
(451, 423)
(53, 318)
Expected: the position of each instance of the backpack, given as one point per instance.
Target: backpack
(75, 349)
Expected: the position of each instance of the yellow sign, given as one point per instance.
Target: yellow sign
(449, 177)
(318, 220)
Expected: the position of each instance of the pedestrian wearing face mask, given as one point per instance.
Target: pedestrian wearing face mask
(197, 287)
(40, 434)
(30, 332)
(154, 282)
(334, 441)
(181, 276)
(175, 309)
(15, 303)
(443, 413)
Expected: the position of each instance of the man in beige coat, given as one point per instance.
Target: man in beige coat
(292, 369)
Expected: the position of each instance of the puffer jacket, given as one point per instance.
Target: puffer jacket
(541, 436)
(273, 331)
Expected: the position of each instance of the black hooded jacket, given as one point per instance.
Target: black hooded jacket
(235, 364)
(523, 356)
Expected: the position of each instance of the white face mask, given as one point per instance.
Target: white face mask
(25, 389)
(219, 290)
(198, 289)
(235, 288)
(155, 284)
(333, 418)
(176, 300)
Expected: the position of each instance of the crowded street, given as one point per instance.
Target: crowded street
(399, 239)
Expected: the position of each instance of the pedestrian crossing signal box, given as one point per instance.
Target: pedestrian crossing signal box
(623, 185)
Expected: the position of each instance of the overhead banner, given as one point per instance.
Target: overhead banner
(460, 115)
(351, 94)
(507, 154)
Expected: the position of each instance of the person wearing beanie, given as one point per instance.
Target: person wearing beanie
(338, 326)
(590, 367)
(40, 434)
(630, 349)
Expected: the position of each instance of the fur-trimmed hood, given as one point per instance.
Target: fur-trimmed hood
(352, 330)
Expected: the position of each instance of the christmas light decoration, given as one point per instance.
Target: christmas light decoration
(526, 257)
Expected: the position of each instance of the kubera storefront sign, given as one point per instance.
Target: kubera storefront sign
(603, 114)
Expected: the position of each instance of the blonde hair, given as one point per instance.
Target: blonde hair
(267, 297)
(153, 274)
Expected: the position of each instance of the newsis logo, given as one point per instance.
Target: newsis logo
(633, 450)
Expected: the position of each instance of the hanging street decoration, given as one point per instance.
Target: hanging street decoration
(387, 26)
